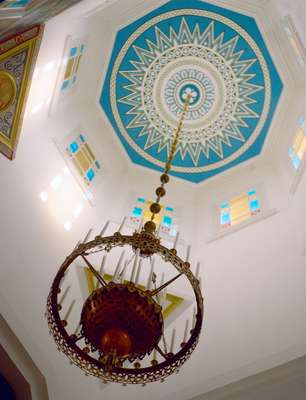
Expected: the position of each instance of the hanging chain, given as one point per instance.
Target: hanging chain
(155, 208)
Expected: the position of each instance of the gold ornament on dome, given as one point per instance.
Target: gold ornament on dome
(120, 336)
(7, 90)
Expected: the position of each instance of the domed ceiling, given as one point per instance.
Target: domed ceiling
(216, 55)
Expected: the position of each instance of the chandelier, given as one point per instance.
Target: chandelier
(120, 337)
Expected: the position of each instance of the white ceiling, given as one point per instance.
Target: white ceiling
(253, 279)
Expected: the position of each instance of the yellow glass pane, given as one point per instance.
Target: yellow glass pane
(298, 140)
(240, 218)
(302, 149)
(77, 64)
(76, 164)
(82, 161)
(241, 198)
(69, 68)
(89, 153)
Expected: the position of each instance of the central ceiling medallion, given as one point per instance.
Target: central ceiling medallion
(216, 55)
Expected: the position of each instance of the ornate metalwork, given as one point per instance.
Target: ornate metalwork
(68, 343)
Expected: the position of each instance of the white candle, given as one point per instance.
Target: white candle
(87, 236)
(188, 253)
(136, 256)
(194, 318)
(69, 310)
(101, 269)
(77, 245)
(140, 225)
(172, 340)
(64, 295)
(104, 228)
(176, 240)
(118, 266)
(186, 331)
(158, 230)
(123, 272)
(197, 274)
(138, 272)
(149, 282)
(122, 225)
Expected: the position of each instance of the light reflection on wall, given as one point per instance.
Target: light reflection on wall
(63, 199)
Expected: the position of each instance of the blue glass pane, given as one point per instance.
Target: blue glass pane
(90, 174)
(291, 153)
(296, 162)
(141, 200)
(98, 164)
(254, 205)
(74, 79)
(167, 221)
(169, 209)
(301, 122)
(65, 85)
(225, 205)
(74, 147)
(73, 51)
(225, 218)
(137, 212)
(82, 48)
(82, 138)
(252, 192)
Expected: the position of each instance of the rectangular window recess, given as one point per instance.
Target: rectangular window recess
(232, 229)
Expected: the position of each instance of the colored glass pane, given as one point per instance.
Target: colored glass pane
(90, 174)
(225, 218)
(141, 200)
(74, 147)
(65, 85)
(98, 164)
(169, 209)
(137, 212)
(167, 221)
(254, 205)
(73, 51)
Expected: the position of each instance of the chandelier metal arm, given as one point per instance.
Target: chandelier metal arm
(94, 271)
(156, 291)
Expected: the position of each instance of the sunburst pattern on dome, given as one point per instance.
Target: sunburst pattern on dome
(206, 51)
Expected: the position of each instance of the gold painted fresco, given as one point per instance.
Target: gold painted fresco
(17, 60)
(7, 90)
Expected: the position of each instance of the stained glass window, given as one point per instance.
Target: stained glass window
(83, 158)
(298, 148)
(165, 221)
(72, 66)
(239, 209)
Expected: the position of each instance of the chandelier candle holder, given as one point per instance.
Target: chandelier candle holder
(120, 336)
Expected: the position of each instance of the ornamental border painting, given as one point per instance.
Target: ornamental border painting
(18, 55)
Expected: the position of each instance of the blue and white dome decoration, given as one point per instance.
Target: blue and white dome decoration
(216, 55)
